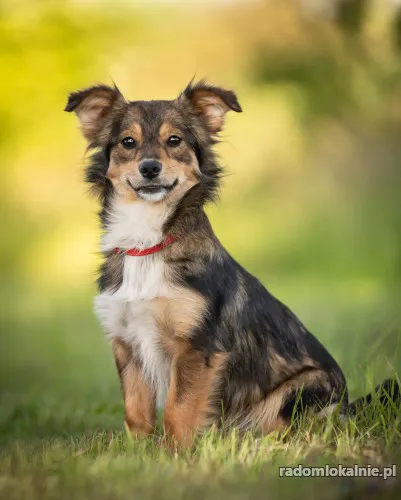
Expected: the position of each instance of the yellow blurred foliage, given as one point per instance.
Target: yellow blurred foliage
(302, 190)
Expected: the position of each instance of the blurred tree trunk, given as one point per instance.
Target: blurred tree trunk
(397, 27)
(351, 15)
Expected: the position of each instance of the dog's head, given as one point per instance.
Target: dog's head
(151, 151)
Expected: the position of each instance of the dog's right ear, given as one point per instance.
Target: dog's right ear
(92, 106)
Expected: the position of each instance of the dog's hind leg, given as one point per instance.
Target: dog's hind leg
(311, 388)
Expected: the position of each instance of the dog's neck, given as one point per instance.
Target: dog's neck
(141, 224)
(134, 225)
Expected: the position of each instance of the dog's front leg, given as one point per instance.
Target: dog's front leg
(139, 398)
(193, 382)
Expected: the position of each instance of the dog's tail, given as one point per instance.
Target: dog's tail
(386, 394)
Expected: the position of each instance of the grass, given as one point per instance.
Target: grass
(110, 464)
(61, 413)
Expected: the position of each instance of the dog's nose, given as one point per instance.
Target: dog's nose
(150, 169)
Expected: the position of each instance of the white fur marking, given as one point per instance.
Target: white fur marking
(328, 411)
(156, 196)
(127, 313)
(134, 225)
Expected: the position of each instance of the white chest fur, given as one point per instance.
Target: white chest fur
(128, 312)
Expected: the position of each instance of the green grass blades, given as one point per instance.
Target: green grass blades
(103, 464)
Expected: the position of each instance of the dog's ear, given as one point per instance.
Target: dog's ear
(212, 103)
(92, 107)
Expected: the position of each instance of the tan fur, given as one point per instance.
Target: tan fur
(124, 164)
(212, 107)
(266, 414)
(281, 369)
(176, 317)
(279, 425)
(138, 398)
(167, 130)
(192, 385)
(92, 109)
(116, 168)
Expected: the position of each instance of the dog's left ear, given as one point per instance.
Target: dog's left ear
(92, 106)
(212, 103)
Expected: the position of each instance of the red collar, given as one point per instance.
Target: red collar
(136, 252)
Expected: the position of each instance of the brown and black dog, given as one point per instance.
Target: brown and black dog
(191, 330)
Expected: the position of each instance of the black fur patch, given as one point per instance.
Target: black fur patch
(245, 320)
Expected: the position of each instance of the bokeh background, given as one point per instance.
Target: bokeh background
(311, 203)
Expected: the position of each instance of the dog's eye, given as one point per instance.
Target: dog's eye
(174, 141)
(128, 142)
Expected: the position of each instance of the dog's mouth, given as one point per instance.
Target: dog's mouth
(153, 191)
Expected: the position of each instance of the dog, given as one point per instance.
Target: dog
(191, 330)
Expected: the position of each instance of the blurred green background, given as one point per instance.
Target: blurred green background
(311, 203)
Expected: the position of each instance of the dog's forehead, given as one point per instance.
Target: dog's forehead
(151, 115)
